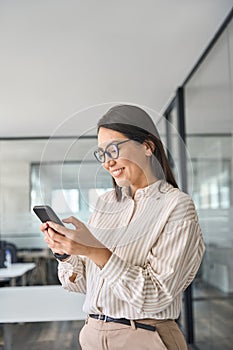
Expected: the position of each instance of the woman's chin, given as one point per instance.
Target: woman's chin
(122, 182)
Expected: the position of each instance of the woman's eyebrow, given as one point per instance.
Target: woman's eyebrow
(107, 144)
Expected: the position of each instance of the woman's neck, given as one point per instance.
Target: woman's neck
(147, 182)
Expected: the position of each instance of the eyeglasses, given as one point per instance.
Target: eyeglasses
(112, 151)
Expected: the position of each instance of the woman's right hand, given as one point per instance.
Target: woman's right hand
(44, 228)
(77, 241)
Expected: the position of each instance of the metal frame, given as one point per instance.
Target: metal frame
(188, 304)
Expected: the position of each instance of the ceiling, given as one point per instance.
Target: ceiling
(63, 63)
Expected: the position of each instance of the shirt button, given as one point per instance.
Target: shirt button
(139, 195)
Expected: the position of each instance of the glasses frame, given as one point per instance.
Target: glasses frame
(116, 144)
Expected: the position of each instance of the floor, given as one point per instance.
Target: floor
(214, 324)
(213, 312)
(213, 315)
(45, 336)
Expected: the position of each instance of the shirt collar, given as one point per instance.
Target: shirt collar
(147, 191)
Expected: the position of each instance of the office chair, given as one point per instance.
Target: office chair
(4, 245)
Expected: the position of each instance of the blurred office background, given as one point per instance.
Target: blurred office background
(63, 64)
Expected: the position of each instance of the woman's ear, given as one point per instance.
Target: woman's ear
(149, 147)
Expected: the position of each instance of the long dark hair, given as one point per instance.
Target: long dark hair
(160, 166)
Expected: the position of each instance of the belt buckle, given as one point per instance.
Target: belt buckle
(102, 318)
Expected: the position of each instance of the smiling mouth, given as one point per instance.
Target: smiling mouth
(117, 172)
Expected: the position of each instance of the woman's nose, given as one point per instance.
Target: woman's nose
(109, 162)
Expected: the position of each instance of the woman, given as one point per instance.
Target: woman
(141, 248)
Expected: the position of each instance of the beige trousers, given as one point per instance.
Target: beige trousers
(100, 335)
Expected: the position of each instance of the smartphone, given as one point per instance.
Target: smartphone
(46, 213)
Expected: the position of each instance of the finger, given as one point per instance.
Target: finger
(43, 226)
(53, 245)
(58, 228)
(72, 220)
(47, 238)
(51, 233)
(55, 236)
(45, 232)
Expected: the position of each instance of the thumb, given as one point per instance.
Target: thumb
(74, 221)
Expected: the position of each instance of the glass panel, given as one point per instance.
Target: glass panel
(209, 121)
(58, 172)
(65, 200)
(65, 186)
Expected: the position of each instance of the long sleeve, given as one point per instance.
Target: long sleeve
(170, 266)
(73, 264)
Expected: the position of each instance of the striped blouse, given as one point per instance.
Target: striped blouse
(157, 248)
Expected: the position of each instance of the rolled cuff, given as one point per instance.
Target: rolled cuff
(114, 269)
(73, 263)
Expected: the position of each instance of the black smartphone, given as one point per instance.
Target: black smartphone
(46, 213)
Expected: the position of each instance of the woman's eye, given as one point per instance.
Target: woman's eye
(112, 149)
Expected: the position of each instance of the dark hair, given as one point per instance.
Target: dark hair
(160, 165)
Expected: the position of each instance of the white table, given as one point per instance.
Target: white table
(16, 270)
(38, 304)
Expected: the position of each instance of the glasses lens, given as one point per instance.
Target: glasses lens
(112, 151)
(99, 154)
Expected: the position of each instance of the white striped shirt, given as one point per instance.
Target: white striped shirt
(157, 249)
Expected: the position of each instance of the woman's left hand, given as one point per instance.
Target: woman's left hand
(78, 241)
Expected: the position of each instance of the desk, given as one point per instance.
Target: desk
(38, 304)
(16, 270)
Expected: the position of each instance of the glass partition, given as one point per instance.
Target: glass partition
(62, 173)
(209, 120)
(205, 115)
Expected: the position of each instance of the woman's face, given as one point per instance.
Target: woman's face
(133, 166)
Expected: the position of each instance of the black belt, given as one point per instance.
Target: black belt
(123, 321)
